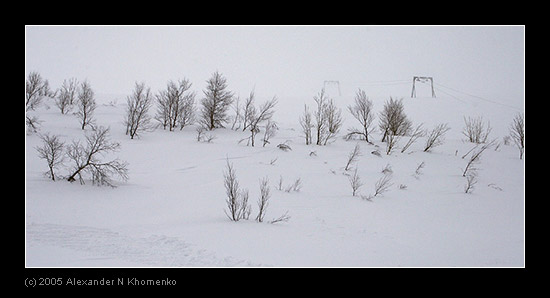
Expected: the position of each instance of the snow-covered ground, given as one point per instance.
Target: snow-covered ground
(171, 210)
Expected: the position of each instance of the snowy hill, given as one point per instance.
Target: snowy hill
(171, 210)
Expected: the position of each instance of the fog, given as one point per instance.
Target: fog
(286, 61)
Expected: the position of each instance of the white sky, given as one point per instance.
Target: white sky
(283, 60)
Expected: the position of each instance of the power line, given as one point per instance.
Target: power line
(478, 97)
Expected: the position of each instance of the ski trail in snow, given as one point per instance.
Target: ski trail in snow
(154, 251)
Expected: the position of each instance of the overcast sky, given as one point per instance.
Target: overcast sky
(284, 60)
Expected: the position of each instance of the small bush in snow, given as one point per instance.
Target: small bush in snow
(353, 156)
(355, 182)
(475, 130)
(436, 136)
(263, 202)
(471, 181)
(237, 199)
(296, 186)
(517, 133)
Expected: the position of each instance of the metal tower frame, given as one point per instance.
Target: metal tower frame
(422, 80)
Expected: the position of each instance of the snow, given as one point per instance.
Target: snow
(170, 213)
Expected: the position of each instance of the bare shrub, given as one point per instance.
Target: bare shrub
(86, 105)
(307, 125)
(353, 156)
(66, 95)
(436, 136)
(517, 133)
(362, 111)
(263, 201)
(355, 182)
(471, 181)
(418, 170)
(417, 133)
(333, 116)
(257, 116)
(138, 104)
(283, 218)
(32, 123)
(270, 131)
(52, 151)
(296, 186)
(248, 110)
(35, 87)
(383, 184)
(320, 116)
(475, 130)
(86, 159)
(391, 141)
(237, 199)
(474, 158)
(393, 119)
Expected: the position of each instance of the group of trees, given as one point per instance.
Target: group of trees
(86, 159)
(70, 96)
(325, 122)
(176, 107)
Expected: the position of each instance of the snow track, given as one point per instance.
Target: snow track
(152, 251)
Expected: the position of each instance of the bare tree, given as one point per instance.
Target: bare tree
(355, 182)
(307, 125)
(86, 105)
(333, 116)
(362, 111)
(393, 119)
(215, 103)
(436, 136)
(249, 110)
(320, 116)
(52, 151)
(353, 156)
(86, 159)
(475, 130)
(517, 133)
(263, 202)
(237, 199)
(176, 105)
(264, 113)
(35, 87)
(138, 104)
(66, 95)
